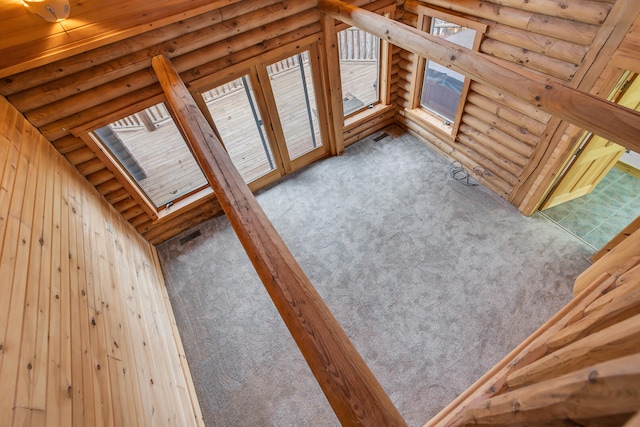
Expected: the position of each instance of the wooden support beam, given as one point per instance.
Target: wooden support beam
(603, 118)
(626, 250)
(334, 85)
(351, 388)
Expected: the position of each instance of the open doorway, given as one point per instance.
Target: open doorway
(598, 194)
(600, 215)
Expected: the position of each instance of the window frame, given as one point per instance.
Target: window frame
(315, 64)
(384, 81)
(381, 66)
(245, 68)
(169, 210)
(425, 16)
(256, 68)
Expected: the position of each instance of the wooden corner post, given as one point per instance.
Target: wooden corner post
(351, 388)
(334, 89)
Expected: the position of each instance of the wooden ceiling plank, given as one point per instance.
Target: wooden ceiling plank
(38, 51)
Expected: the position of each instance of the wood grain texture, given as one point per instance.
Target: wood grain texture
(84, 317)
(520, 17)
(28, 41)
(609, 263)
(620, 339)
(101, 85)
(593, 75)
(602, 390)
(587, 111)
(354, 393)
(626, 304)
(626, 232)
(553, 378)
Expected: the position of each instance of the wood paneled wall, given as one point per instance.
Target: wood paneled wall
(582, 367)
(503, 141)
(87, 335)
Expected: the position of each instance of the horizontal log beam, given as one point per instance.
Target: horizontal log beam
(603, 118)
(602, 390)
(351, 388)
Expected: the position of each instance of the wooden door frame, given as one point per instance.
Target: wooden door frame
(616, 82)
(245, 68)
(315, 61)
(255, 68)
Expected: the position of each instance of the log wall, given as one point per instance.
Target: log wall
(561, 141)
(582, 367)
(502, 139)
(83, 91)
(87, 335)
(97, 85)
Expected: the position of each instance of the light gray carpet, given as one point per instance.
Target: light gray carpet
(433, 281)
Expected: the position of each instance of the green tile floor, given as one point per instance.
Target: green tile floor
(597, 217)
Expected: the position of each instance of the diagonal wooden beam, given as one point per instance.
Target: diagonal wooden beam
(611, 121)
(351, 388)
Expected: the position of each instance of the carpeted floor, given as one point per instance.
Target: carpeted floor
(433, 281)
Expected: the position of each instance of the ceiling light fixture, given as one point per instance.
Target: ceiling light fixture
(49, 10)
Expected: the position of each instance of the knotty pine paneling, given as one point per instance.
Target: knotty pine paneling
(87, 335)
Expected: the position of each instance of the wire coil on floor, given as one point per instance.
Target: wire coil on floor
(460, 174)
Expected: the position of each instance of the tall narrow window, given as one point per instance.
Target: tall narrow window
(442, 87)
(439, 92)
(237, 119)
(294, 95)
(150, 148)
(359, 69)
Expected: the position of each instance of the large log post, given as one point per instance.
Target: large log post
(603, 118)
(351, 388)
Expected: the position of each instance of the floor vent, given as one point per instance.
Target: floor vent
(383, 135)
(190, 237)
